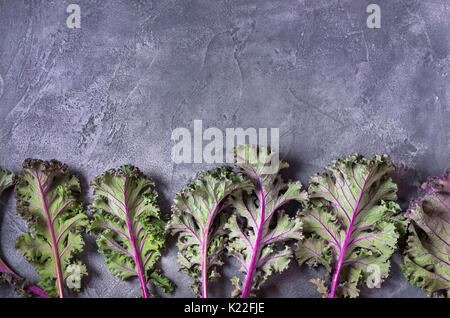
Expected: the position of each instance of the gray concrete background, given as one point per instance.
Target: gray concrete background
(111, 93)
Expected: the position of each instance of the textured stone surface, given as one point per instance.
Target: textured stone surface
(111, 93)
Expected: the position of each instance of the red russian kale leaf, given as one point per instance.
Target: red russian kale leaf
(427, 257)
(21, 286)
(351, 224)
(47, 198)
(130, 224)
(259, 228)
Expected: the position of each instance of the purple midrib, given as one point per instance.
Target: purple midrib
(59, 276)
(343, 249)
(205, 242)
(5, 269)
(205, 247)
(137, 257)
(205, 254)
(37, 291)
(32, 288)
(256, 245)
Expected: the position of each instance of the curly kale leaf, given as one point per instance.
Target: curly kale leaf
(130, 224)
(46, 197)
(352, 223)
(196, 218)
(7, 275)
(427, 257)
(259, 242)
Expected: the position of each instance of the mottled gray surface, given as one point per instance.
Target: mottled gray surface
(112, 92)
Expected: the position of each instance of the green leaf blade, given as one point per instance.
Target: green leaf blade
(46, 195)
(130, 225)
(352, 216)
